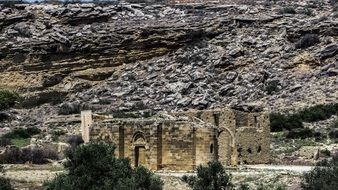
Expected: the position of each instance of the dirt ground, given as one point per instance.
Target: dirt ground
(32, 177)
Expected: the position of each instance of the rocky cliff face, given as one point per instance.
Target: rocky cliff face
(130, 57)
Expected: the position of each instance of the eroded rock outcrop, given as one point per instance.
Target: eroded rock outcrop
(129, 57)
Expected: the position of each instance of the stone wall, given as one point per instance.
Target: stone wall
(253, 138)
(187, 139)
(168, 145)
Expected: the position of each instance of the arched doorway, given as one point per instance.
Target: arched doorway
(226, 145)
(139, 144)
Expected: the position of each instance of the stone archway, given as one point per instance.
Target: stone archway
(139, 144)
(226, 147)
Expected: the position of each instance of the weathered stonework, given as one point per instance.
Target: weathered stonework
(184, 140)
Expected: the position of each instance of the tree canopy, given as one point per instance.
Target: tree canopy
(93, 166)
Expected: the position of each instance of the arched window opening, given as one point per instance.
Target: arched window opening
(211, 148)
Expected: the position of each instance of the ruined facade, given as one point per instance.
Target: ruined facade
(184, 140)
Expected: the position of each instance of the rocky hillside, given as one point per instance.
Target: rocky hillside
(263, 55)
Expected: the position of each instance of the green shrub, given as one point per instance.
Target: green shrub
(69, 108)
(323, 176)
(326, 152)
(5, 184)
(4, 116)
(319, 112)
(4, 142)
(7, 99)
(22, 133)
(244, 186)
(280, 122)
(57, 133)
(211, 177)
(94, 166)
(19, 142)
(32, 155)
(189, 179)
(301, 133)
(75, 140)
(272, 87)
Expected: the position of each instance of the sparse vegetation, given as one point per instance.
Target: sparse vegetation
(212, 177)
(20, 142)
(322, 177)
(4, 142)
(308, 11)
(287, 10)
(333, 134)
(74, 140)
(22, 133)
(279, 122)
(272, 87)
(19, 137)
(5, 184)
(69, 108)
(7, 99)
(94, 166)
(326, 152)
(316, 113)
(57, 133)
(301, 133)
(32, 155)
(244, 186)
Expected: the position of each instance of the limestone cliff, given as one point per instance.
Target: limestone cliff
(134, 57)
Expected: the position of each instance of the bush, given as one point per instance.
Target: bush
(323, 176)
(69, 108)
(316, 113)
(308, 11)
(5, 184)
(7, 99)
(75, 140)
(57, 133)
(94, 166)
(307, 40)
(280, 122)
(333, 134)
(211, 177)
(22, 133)
(301, 133)
(272, 87)
(244, 187)
(33, 155)
(287, 10)
(319, 112)
(4, 116)
(5, 142)
(189, 179)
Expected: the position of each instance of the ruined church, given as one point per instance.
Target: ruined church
(184, 140)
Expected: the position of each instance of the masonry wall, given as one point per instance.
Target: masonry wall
(230, 136)
(168, 145)
(178, 147)
(253, 138)
(223, 137)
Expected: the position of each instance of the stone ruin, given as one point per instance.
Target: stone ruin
(181, 141)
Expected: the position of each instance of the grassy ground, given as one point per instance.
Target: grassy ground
(20, 142)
